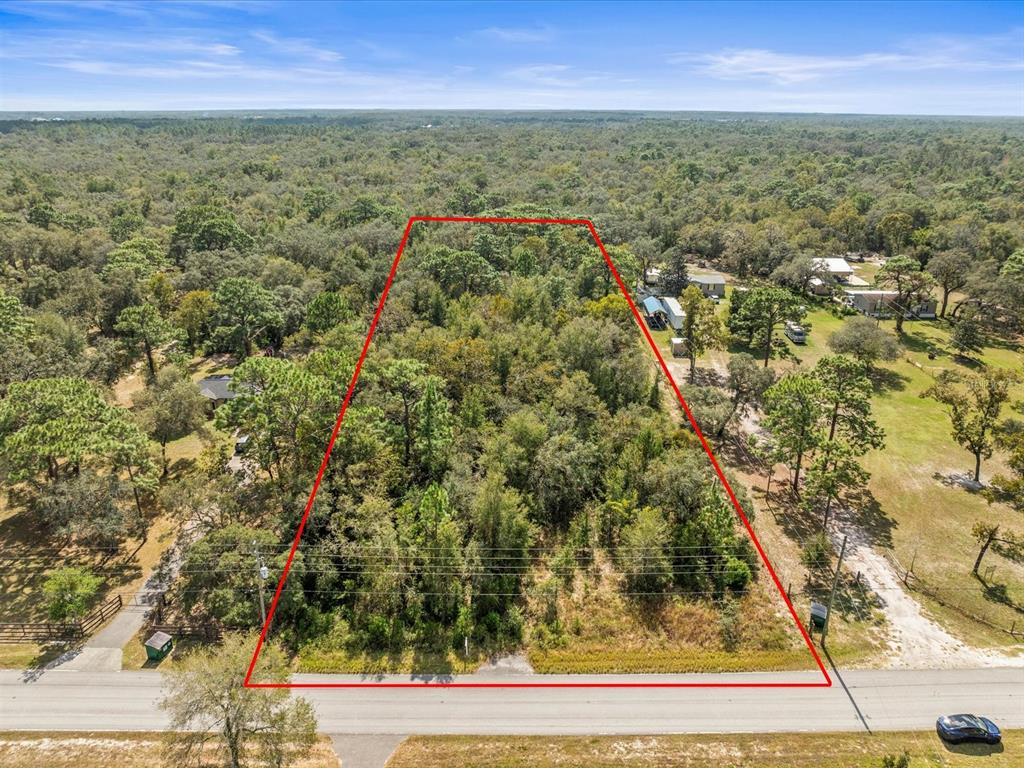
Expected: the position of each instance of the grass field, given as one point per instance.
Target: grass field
(33, 749)
(912, 508)
(784, 750)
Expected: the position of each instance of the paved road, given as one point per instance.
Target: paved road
(877, 699)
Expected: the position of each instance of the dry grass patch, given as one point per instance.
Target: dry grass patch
(600, 631)
(408, 661)
(19, 655)
(102, 750)
(784, 750)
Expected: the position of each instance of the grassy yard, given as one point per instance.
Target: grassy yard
(784, 750)
(40, 749)
(32, 554)
(31, 560)
(912, 508)
(20, 655)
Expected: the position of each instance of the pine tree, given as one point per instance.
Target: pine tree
(433, 429)
(793, 414)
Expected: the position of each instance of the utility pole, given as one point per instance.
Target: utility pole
(832, 597)
(262, 572)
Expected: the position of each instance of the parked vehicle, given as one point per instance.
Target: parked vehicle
(957, 729)
(242, 445)
(795, 333)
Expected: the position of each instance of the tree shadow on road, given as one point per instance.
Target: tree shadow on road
(52, 655)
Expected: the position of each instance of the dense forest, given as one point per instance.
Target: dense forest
(508, 432)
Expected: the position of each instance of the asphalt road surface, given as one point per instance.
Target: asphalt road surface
(862, 699)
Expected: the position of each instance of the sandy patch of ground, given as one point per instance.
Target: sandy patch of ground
(915, 641)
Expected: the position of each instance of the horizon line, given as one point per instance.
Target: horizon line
(499, 110)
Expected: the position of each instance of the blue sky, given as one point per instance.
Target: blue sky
(917, 58)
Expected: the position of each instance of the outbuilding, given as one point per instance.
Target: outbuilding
(655, 312)
(833, 271)
(158, 646)
(883, 304)
(836, 267)
(673, 312)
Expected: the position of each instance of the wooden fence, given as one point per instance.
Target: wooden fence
(205, 632)
(42, 632)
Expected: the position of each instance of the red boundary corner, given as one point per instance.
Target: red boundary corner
(707, 449)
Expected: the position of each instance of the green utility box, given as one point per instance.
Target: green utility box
(818, 614)
(158, 646)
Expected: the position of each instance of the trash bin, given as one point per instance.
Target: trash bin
(158, 646)
(818, 614)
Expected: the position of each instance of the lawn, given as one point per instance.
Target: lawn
(783, 750)
(922, 517)
(913, 510)
(42, 749)
(29, 561)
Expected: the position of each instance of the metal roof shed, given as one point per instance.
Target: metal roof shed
(652, 306)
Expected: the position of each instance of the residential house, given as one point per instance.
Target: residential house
(217, 389)
(711, 284)
(838, 271)
(875, 303)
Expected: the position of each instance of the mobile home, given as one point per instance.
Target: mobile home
(673, 312)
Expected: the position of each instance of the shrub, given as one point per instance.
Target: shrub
(70, 593)
(896, 761)
(729, 626)
(378, 631)
(817, 553)
(737, 574)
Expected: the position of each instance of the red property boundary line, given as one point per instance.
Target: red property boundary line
(827, 683)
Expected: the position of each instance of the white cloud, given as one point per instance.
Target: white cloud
(554, 75)
(995, 53)
(47, 49)
(296, 47)
(541, 34)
